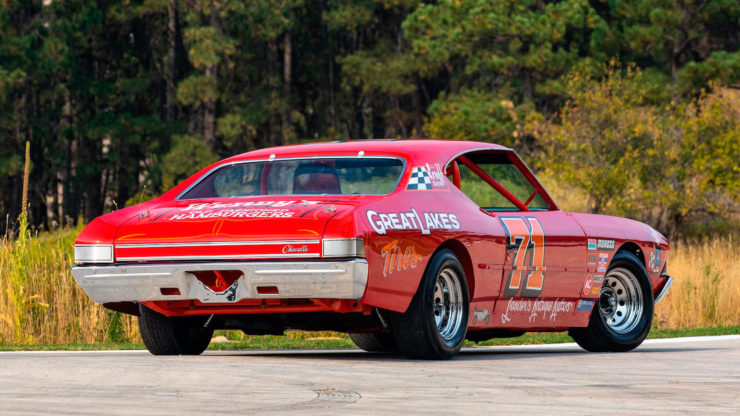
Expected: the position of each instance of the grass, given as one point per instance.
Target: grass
(40, 303)
(707, 285)
(311, 341)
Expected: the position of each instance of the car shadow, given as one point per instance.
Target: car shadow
(466, 354)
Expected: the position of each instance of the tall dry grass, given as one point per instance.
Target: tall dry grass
(706, 291)
(40, 303)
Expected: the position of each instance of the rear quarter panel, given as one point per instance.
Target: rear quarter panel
(403, 231)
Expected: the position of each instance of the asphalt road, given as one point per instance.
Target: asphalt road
(680, 376)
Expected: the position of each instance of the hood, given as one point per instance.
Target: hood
(233, 229)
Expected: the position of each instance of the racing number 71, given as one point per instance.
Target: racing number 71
(526, 239)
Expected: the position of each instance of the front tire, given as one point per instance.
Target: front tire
(436, 321)
(623, 314)
(173, 336)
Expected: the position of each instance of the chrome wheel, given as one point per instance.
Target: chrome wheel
(621, 301)
(448, 304)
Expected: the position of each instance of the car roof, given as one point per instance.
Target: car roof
(439, 151)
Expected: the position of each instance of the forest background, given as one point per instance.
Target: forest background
(624, 107)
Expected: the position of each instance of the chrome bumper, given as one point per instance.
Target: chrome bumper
(664, 290)
(140, 283)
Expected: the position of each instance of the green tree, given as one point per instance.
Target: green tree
(692, 42)
(658, 163)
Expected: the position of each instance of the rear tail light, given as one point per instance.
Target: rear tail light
(94, 253)
(343, 247)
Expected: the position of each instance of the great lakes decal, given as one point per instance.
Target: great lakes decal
(412, 220)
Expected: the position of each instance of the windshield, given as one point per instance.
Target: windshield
(320, 176)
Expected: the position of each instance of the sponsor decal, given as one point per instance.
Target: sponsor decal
(592, 285)
(537, 309)
(588, 285)
(603, 262)
(585, 305)
(249, 204)
(411, 220)
(602, 244)
(592, 244)
(592, 259)
(525, 243)
(436, 175)
(247, 209)
(234, 213)
(654, 263)
(420, 179)
(293, 249)
(399, 259)
(481, 316)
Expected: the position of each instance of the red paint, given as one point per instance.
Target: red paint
(552, 245)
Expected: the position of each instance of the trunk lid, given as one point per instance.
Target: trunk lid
(236, 229)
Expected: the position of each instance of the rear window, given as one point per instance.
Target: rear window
(321, 176)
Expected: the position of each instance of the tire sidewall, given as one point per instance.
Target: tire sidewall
(440, 261)
(634, 337)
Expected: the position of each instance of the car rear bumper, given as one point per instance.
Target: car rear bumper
(153, 282)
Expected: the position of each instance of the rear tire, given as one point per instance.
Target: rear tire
(173, 336)
(436, 321)
(623, 314)
(378, 342)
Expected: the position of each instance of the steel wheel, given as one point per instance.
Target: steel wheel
(622, 318)
(620, 301)
(448, 304)
(436, 321)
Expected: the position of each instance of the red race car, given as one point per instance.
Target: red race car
(407, 245)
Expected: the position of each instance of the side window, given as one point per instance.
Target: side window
(477, 170)
(480, 192)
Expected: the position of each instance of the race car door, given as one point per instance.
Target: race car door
(544, 263)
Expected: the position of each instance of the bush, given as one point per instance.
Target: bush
(661, 164)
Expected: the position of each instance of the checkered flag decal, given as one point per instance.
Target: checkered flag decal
(419, 179)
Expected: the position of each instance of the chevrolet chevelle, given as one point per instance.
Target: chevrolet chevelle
(410, 246)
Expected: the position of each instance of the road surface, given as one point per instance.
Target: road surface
(678, 376)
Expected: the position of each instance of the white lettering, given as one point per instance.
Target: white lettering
(374, 219)
(411, 220)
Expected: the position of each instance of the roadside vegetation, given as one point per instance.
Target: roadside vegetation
(626, 107)
(40, 303)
